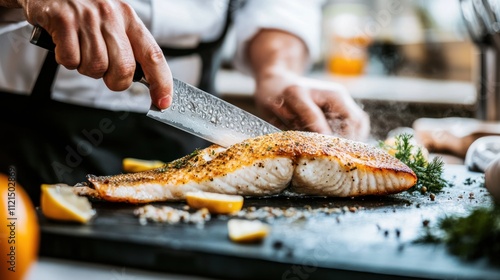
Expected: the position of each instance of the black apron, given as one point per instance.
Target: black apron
(48, 141)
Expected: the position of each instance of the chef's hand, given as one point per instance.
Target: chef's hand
(103, 39)
(290, 101)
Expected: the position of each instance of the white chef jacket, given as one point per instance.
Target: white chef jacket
(173, 23)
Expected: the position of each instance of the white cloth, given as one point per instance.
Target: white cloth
(179, 23)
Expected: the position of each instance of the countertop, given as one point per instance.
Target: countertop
(369, 87)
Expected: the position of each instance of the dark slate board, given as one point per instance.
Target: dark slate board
(374, 242)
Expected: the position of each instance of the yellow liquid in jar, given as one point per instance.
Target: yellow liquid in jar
(349, 56)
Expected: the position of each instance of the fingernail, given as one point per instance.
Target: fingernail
(164, 103)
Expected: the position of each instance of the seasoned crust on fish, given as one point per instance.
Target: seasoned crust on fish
(310, 163)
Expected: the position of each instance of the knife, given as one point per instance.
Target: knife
(192, 110)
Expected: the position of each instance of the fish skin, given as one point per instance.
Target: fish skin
(310, 163)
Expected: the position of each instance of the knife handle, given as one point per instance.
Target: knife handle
(40, 37)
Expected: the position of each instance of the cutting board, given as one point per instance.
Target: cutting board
(365, 238)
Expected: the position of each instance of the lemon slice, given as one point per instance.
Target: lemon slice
(246, 231)
(138, 165)
(390, 146)
(59, 202)
(216, 203)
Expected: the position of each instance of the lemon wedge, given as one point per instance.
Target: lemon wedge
(246, 231)
(138, 165)
(216, 203)
(59, 202)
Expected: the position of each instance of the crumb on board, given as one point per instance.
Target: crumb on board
(170, 215)
(291, 213)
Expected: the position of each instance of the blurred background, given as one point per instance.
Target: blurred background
(421, 38)
(400, 59)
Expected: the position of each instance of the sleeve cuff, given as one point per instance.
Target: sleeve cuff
(9, 27)
(297, 17)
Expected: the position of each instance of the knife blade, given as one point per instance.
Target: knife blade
(209, 117)
(193, 110)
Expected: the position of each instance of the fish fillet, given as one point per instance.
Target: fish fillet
(308, 163)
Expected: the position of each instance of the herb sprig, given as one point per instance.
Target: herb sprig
(470, 237)
(429, 173)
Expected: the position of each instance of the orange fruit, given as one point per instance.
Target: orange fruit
(19, 229)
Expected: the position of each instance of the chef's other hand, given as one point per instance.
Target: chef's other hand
(103, 39)
(290, 101)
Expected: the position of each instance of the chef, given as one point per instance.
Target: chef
(83, 115)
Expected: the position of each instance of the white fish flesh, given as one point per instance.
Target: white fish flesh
(305, 162)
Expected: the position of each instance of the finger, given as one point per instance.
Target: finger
(363, 127)
(120, 70)
(94, 53)
(67, 44)
(155, 67)
(61, 23)
(343, 115)
(276, 121)
(267, 108)
(303, 113)
(339, 125)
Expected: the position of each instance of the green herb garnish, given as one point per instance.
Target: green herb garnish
(429, 173)
(182, 162)
(470, 237)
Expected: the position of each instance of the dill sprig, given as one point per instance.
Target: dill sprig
(470, 237)
(429, 173)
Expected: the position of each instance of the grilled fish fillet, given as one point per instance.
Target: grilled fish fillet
(310, 163)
